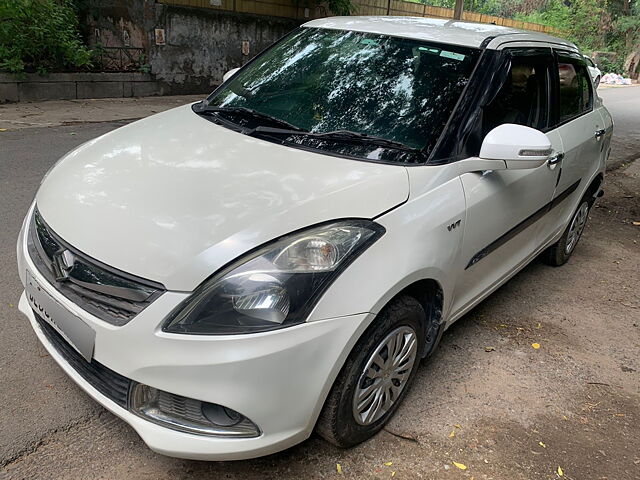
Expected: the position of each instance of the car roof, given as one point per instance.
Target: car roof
(453, 32)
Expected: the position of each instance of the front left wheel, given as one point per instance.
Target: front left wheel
(376, 376)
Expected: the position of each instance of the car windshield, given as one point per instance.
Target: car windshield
(322, 80)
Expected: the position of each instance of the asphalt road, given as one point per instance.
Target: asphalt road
(25, 156)
(624, 105)
(44, 413)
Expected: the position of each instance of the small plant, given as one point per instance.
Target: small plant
(144, 66)
(611, 65)
(40, 36)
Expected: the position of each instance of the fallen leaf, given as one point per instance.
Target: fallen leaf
(636, 223)
(461, 466)
(339, 468)
(536, 346)
(452, 434)
(11, 305)
(539, 325)
(560, 472)
(393, 474)
(489, 349)
(388, 464)
(457, 425)
(3, 129)
(542, 444)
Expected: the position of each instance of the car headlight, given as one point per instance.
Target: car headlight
(275, 286)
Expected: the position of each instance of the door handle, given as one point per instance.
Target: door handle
(599, 133)
(554, 159)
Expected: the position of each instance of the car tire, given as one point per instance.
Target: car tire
(398, 326)
(558, 253)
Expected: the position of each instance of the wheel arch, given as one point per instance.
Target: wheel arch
(429, 291)
(594, 188)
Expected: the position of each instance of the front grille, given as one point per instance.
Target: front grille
(109, 383)
(109, 294)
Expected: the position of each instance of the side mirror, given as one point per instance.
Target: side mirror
(229, 74)
(520, 147)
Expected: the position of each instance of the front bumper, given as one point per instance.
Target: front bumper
(278, 379)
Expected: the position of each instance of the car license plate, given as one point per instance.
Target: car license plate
(77, 333)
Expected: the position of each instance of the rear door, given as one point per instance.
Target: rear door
(504, 207)
(581, 129)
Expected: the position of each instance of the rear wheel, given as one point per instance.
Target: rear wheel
(558, 253)
(376, 376)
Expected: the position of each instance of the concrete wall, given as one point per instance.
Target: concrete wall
(59, 86)
(201, 45)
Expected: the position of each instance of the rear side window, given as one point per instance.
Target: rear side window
(576, 96)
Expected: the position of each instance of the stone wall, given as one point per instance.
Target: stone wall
(61, 86)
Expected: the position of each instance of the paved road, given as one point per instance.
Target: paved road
(624, 105)
(25, 156)
(43, 412)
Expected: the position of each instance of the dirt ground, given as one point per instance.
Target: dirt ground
(568, 409)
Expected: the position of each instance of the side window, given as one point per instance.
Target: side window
(576, 96)
(523, 99)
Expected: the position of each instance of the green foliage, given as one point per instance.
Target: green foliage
(590, 24)
(555, 14)
(340, 7)
(336, 7)
(607, 65)
(144, 66)
(625, 32)
(40, 36)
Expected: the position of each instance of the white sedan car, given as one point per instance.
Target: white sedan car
(230, 275)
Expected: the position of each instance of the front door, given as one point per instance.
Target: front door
(504, 208)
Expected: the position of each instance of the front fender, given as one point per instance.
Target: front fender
(418, 244)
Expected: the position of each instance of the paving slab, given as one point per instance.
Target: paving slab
(15, 116)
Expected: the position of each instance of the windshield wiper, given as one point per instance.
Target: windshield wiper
(337, 135)
(249, 112)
